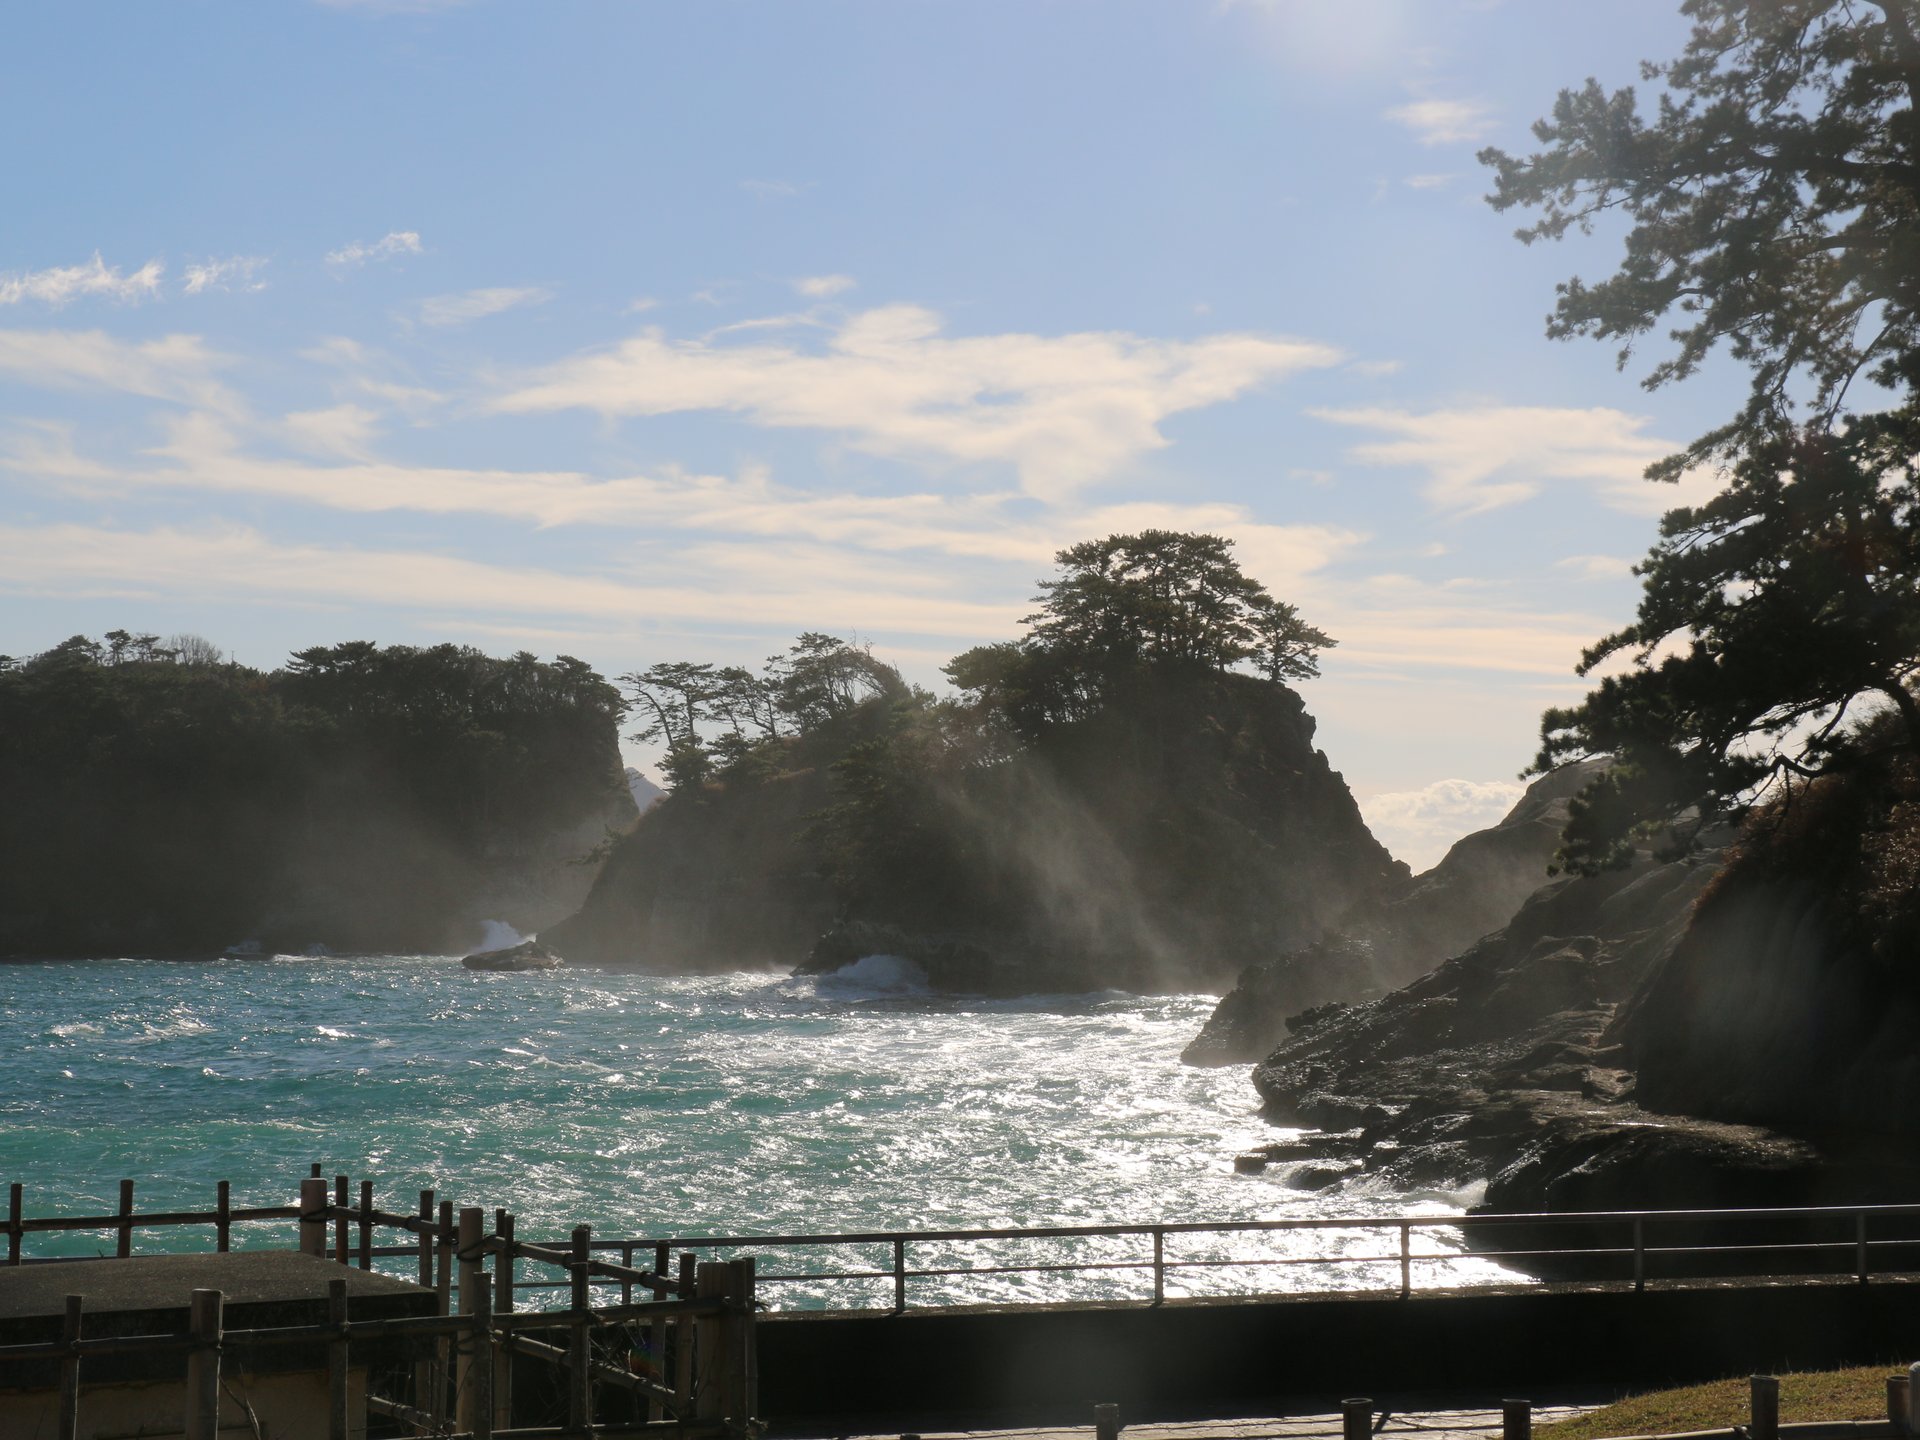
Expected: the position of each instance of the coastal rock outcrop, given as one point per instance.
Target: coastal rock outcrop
(1384, 942)
(1731, 1029)
(1500, 1057)
(1163, 842)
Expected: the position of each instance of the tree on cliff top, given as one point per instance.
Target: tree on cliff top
(1775, 201)
(1775, 208)
(1132, 605)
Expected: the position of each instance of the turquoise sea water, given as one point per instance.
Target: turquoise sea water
(647, 1105)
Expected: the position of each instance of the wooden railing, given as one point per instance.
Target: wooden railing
(686, 1353)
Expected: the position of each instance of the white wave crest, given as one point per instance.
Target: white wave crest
(877, 975)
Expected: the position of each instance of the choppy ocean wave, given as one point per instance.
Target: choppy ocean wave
(647, 1105)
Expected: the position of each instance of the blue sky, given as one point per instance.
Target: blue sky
(652, 330)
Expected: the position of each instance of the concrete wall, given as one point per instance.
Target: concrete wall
(1218, 1353)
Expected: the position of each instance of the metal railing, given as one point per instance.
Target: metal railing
(896, 1269)
(1627, 1246)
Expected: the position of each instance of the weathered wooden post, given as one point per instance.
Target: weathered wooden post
(1899, 1404)
(423, 1371)
(711, 1283)
(425, 1236)
(466, 1387)
(203, 1366)
(1356, 1419)
(899, 1276)
(1765, 1394)
(683, 1335)
(742, 1358)
(656, 1334)
(1516, 1420)
(70, 1372)
(337, 1360)
(1106, 1422)
(124, 1246)
(580, 1335)
(502, 1295)
(443, 1288)
(16, 1219)
(366, 1224)
(313, 1216)
(223, 1216)
(482, 1342)
(340, 1186)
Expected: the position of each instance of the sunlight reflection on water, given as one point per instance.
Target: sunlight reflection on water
(647, 1105)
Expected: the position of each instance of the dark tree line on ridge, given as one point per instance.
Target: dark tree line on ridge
(156, 797)
(927, 790)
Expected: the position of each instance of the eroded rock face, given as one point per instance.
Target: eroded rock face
(1499, 1063)
(1386, 941)
(1794, 1000)
(1160, 844)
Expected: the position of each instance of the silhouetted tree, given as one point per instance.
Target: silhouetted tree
(1774, 200)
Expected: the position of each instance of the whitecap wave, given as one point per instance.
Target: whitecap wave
(876, 975)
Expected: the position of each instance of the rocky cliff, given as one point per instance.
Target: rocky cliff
(1386, 941)
(1733, 1029)
(1161, 843)
(715, 879)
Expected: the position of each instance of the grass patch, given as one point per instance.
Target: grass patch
(1816, 1395)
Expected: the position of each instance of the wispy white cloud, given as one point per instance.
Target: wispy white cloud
(1596, 567)
(478, 304)
(61, 284)
(1062, 410)
(774, 189)
(235, 272)
(1445, 122)
(359, 252)
(1429, 182)
(821, 287)
(202, 452)
(337, 430)
(1481, 458)
(1419, 825)
(234, 561)
(175, 368)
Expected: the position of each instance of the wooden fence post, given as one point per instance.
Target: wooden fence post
(313, 1216)
(203, 1366)
(425, 1237)
(124, 1246)
(1356, 1419)
(742, 1360)
(366, 1224)
(223, 1216)
(1765, 1394)
(70, 1372)
(580, 1336)
(340, 1184)
(1106, 1422)
(503, 1296)
(712, 1280)
(485, 1358)
(15, 1218)
(466, 1385)
(1516, 1420)
(443, 1287)
(656, 1335)
(683, 1336)
(337, 1361)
